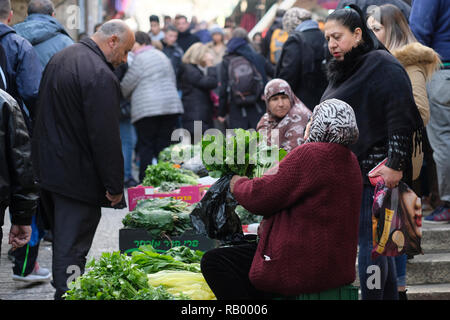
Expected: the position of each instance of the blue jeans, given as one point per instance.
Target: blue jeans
(400, 264)
(129, 139)
(382, 284)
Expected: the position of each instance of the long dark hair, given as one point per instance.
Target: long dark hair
(352, 17)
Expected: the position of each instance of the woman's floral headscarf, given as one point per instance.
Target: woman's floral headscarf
(291, 129)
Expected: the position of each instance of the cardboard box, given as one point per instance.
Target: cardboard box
(131, 239)
(191, 194)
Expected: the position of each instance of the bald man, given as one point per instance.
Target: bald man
(77, 150)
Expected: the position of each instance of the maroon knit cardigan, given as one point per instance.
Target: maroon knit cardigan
(311, 209)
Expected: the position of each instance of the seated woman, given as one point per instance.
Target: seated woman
(286, 113)
(310, 203)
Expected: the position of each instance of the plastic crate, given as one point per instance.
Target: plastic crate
(191, 194)
(342, 293)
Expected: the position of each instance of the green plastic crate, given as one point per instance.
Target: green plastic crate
(342, 293)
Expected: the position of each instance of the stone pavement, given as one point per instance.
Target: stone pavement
(106, 240)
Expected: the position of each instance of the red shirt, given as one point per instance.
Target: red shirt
(311, 206)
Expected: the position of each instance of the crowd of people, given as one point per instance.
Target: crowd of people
(370, 83)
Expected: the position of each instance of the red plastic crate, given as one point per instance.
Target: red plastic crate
(191, 194)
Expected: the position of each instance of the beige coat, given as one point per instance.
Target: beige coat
(420, 63)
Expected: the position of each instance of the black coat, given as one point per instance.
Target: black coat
(77, 151)
(197, 103)
(17, 188)
(301, 65)
(186, 40)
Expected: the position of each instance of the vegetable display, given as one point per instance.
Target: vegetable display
(116, 276)
(150, 261)
(246, 216)
(244, 154)
(187, 283)
(156, 174)
(160, 216)
(179, 153)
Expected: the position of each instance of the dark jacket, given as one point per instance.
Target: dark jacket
(364, 4)
(24, 67)
(17, 188)
(45, 34)
(311, 209)
(187, 39)
(76, 146)
(197, 103)
(175, 55)
(386, 113)
(301, 65)
(430, 23)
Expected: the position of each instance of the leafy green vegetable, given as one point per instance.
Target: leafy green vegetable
(167, 215)
(155, 175)
(115, 277)
(246, 216)
(179, 153)
(151, 261)
(185, 254)
(243, 154)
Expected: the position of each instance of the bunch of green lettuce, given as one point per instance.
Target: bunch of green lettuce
(156, 174)
(244, 154)
(115, 276)
(179, 153)
(151, 262)
(160, 216)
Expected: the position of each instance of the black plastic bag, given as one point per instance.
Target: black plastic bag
(215, 216)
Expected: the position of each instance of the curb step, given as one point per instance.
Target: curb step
(429, 292)
(433, 268)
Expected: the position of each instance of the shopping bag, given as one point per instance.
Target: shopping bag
(215, 216)
(397, 221)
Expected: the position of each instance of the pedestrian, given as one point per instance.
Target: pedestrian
(203, 33)
(155, 105)
(77, 154)
(43, 31)
(217, 45)
(366, 76)
(167, 22)
(274, 39)
(302, 58)
(155, 33)
(185, 37)
(48, 37)
(285, 113)
(18, 189)
(433, 30)
(172, 50)
(420, 62)
(24, 66)
(309, 202)
(366, 4)
(128, 134)
(197, 81)
(243, 77)
(257, 42)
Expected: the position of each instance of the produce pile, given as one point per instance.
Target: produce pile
(244, 154)
(165, 172)
(146, 275)
(179, 153)
(246, 216)
(165, 216)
